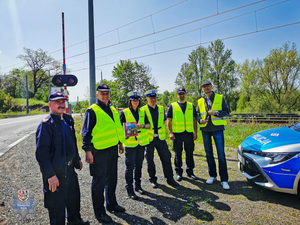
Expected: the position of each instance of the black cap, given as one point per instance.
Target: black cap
(205, 83)
(181, 90)
(57, 95)
(103, 87)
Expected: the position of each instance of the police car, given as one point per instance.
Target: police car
(271, 158)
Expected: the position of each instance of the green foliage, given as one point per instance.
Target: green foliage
(213, 63)
(80, 105)
(130, 76)
(2, 99)
(271, 85)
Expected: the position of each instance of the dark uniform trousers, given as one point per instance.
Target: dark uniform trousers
(165, 157)
(104, 173)
(186, 139)
(134, 158)
(67, 196)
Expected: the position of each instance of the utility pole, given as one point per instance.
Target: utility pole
(27, 100)
(49, 82)
(92, 52)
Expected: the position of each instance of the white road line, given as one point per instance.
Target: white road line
(18, 141)
(18, 121)
(1, 154)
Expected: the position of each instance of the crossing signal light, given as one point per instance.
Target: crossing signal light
(64, 80)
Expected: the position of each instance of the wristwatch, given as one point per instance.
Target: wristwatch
(144, 126)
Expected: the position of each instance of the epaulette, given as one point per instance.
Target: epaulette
(46, 119)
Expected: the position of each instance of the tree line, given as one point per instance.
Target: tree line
(269, 85)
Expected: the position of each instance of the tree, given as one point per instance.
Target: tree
(131, 76)
(14, 84)
(37, 61)
(222, 69)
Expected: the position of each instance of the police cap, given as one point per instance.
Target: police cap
(134, 95)
(181, 90)
(103, 87)
(205, 83)
(151, 93)
(57, 95)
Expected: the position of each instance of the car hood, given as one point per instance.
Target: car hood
(272, 140)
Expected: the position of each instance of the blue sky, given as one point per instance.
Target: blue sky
(37, 24)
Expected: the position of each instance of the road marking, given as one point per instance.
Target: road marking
(1, 154)
(18, 121)
(21, 139)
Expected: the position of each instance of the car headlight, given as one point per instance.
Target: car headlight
(277, 157)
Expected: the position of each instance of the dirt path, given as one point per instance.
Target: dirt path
(193, 202)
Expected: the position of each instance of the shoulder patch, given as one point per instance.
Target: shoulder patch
(45, 120)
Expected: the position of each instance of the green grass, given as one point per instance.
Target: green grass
(234, 133)
(22, 102)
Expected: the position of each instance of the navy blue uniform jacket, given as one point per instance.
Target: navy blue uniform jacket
(51, 152)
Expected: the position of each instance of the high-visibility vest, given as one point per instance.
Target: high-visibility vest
(160, 125)
(216, 106)
(182, 122)
(142, 138)
(106, 133)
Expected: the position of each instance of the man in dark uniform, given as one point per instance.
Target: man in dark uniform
(102, 132)
(57, 155)
(157, 134)
(182, 125)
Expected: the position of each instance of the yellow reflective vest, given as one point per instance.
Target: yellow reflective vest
(142, 138)
(106, 133)
(182, 122)
(216, 106)
(160, 125)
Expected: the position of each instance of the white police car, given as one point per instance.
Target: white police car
(271, 158)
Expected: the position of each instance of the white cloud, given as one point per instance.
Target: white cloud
(0, 51)
(16, 24)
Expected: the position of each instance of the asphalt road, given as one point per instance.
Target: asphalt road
(13, 130)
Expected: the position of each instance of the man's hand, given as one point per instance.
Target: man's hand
(202, 121)
(80, 165)
(121, 148)
(127, 136)
(195, 136)
(212, 113)
(172, 136)
(53, 183)
(89, 158)
(138, 126)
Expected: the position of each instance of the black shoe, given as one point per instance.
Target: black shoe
(193, 176)
(104, 218)
(117, 209)
(132, 195)
(140, 190)
(173, 183)
(179, 178)
(78, 222)
(154, 184)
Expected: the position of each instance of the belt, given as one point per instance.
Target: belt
(155, 135)
(69, 163)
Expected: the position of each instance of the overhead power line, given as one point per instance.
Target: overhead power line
(189, 46)
(154, 42)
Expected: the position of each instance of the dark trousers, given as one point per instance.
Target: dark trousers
(66, 196)
(219, 141)
(186, 139)
(134, 158)
(104, 173)
(164, 155)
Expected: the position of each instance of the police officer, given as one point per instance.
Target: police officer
(157, 134)
(57, 155)
(182, 125)
(102, 133)
(212, 109)
(135, 145)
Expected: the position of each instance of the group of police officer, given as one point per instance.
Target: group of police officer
(103, 138)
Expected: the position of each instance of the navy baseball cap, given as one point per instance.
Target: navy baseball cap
(181, 90)
(103, 87)
(134, 95)
(205, 83)
(151, 93)
(57, 95)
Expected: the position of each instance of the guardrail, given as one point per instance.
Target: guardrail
(264, 118)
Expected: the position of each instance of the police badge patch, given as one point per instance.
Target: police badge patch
(23, 203)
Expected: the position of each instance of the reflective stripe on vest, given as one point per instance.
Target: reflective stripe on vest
(160, 124)
(142, 138)
(182, 122)
(217, 106)
(106, 133)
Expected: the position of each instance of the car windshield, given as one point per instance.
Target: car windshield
(296, 126)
